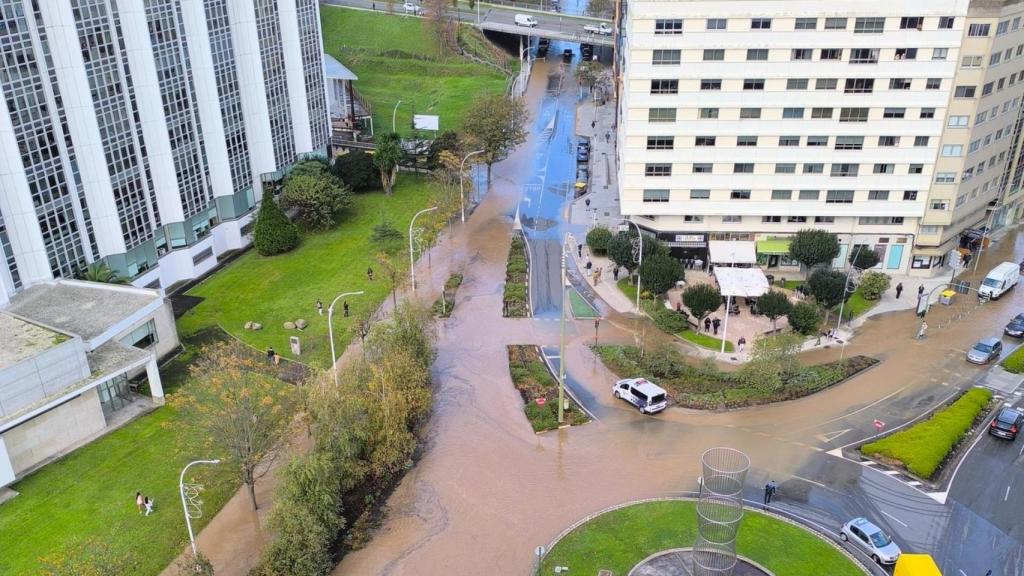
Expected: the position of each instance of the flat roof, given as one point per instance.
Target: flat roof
(336, 70)
(86, 309)
(731, 252)
(746, 282)
(23, 340)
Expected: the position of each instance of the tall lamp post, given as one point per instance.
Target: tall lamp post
(846, 285)
(394, 115)
(561, 341)
(184, 504)
(330, 330)
(412, 258)
(462, 186)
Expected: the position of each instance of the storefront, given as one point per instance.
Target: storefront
(773, 253)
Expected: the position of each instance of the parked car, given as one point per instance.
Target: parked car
(1015, 327)
(985, 351)
(411, 8)
(587, 51)
(999, 280)
(542, 47)
(602, 29)
(1007, 423)
(872, 539)
(582, 153)
(526, 20)
(646, 396)
(567, 55)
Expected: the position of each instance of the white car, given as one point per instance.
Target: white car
(411, 8)
(872, 539)
(602, 29)
(645, 395)
(525, 20)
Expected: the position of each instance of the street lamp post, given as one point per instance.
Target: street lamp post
(639, 262)
(330, 330)
(561, 342)
(981, 247)
(412, 257)
(184, 505)
(846, 286)
(394, 114)
(462, 187)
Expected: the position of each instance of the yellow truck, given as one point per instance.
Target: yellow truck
(916, 565)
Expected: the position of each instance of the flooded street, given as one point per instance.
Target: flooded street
(487, 490)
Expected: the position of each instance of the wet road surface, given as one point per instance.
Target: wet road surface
(488, 490)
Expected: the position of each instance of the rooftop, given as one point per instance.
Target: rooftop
(87, 309)
(336, 70)
(23, 340)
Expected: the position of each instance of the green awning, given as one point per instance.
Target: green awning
(774, 246)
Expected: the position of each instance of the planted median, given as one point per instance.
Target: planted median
(539, 390)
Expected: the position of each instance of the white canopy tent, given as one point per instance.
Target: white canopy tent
(732, 252)
(732, 282)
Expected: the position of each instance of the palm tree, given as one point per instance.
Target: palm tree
(99, 271)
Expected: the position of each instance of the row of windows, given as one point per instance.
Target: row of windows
(850, 86)
(664, 169)
(276, 82)
(312, 53)
(672, 57)
(831, 196)
(841, 142)
(863, 25)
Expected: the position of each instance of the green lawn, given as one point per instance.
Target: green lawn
(618, 540)
(1014, 363)
(580, 307)
(396, 59)
(704, 340)
(856, 306)
(90, 494)
(925, 445)
(273, 290)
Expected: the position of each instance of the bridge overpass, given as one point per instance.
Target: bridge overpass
(500, 17)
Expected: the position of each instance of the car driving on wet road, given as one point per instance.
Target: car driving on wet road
(1007, 424)
(1015, 327)
(872, 539)
(646, 396)
(985, 351)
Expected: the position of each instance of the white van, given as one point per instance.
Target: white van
(525, 20)
(1001, 279)
(646, 396)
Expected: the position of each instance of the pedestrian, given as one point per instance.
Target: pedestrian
(607, 136)
(344, 306)
(148, 504)
(707, 324)
(899, 290)
(920, 291)
(715, 324)
(589, 265)
(600, 273)
(615, 273)
(593, 124)
(319, 306)
(579, 250)
(138, 501)
(924, 328)
(967, 259)
(374, 6)
(270, 354)
(277, 359)
(741, 344)
(769, 492)
(587, 202)
(369, 273)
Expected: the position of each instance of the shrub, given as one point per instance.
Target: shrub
(1014, 363)
(317, 199)
(302, 546)
(273, 233)
(356, 169)
(660, 272)
(873, 285)
(702, 299)
(804, 318)
(387, 237)
(669, 320)
(598, 239)
(813, 247)
(923, 447)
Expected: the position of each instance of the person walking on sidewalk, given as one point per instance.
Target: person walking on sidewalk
(741, 344)
(924, 328)
(707, 325)
(615, 273)
(593, 124)
(920, 291)
(899, 290)
(715, 324)
(607, 137)
(769, 492)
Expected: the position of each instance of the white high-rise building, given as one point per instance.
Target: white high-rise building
(748, 120)
(141, 132)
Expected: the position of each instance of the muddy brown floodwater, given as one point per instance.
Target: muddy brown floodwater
(487, 490)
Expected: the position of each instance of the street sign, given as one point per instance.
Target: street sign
(540, 401)
(879, 425)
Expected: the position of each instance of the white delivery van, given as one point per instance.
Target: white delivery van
(525, 20)
(1001, 279)
(645, 395)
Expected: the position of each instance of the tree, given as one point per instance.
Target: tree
(273, 233)
(702, 299)
(392, 269)
(316, 199)
(386, 156)
(198, 565)
(772, 362)
(601, 8)
(496, 125)
(447, 141)
(99, 271)
(302, 546)
(828, 288)
(598, 239)
(356, 169)
(241, 411)
(804, 318)
(660, 272)
(387, 238)
(873, 285)
(863, 257)
(813, 247)
(588, 72)
(620, 249)
(312, 167)
(774, 305)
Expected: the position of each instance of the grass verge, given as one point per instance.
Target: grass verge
(515, 299)
(533, 380)
(618, 540)
(923, 447)
(445, 305)
(705, 341)
(581, 309)
(856, 306)
(397, 59)
(704, 387)
(273, 290)
(1014, 363)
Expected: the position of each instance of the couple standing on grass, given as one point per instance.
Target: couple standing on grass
(143, 503)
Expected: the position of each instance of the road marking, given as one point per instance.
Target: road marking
(891, 472)
(962, 572)
(1007, 497)
(810, 481)
(1021, 451)
(859, 410)
(914, 483)
(830, 436)
(895, 519)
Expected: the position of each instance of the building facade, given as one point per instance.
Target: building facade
(749, 120)
(141, 133)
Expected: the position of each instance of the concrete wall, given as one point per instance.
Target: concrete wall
(47, 373)
(42, 437)
(166, 331)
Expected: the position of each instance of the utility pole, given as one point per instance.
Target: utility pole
(561, 346)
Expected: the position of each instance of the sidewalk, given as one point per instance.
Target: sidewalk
(603, 189)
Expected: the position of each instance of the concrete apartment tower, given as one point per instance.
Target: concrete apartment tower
(141, 133)
(748, 120)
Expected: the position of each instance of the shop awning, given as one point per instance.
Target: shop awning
(773, 246)
(746, 282)
(731, 252)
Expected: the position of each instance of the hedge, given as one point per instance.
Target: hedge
(923, 447)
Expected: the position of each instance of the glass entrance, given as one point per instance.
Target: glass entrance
(113, 394)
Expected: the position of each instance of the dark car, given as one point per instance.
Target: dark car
(1007, 423)
(567, 55)
(582, 154)
(542, 47)
(1015, 327)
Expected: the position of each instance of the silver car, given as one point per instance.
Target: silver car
(985, 351)
(872, 539)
